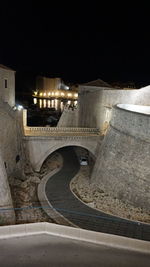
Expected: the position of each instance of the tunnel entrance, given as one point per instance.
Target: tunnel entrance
(55, 160)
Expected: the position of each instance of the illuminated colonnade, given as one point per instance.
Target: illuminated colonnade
(55, 99)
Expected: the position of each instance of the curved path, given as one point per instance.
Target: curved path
(61, 198)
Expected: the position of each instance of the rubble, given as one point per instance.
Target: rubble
(100, 200)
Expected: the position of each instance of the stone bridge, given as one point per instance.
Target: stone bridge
(42, 141)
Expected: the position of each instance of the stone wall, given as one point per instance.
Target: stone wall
(40, 147)
(7, 91)
(11, 149)
(122, 165)
(95, 103)
(7, 216)
(10, 137)
(69, 118)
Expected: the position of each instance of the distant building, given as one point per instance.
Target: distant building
(53, 93)
(126, 86)
(7, 85)
(97, 83)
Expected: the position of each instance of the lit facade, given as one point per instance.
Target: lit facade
(53, 93)
(7, 85)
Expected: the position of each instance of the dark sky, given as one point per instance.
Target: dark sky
(77, 42)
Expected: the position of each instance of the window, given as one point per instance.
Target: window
(5, 83)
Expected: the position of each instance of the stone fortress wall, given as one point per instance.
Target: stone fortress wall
(122, 165)
(68, 118)
(95, 103)
(11, 152)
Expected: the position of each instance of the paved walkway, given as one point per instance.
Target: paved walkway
(50, 250)
(62, 199)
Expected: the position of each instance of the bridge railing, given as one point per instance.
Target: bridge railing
(29, 130)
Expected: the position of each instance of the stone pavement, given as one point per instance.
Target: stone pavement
(50, 250)
(61, 198)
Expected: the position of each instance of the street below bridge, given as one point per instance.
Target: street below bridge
(61, 198)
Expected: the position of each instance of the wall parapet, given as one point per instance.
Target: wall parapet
(29, 130)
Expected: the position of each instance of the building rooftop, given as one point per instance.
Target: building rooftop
(98, 83)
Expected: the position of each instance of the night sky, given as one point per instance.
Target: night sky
(77, 42)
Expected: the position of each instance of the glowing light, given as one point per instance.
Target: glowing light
(56, 104)
(76, 95)
(75, 102)
(41, 94)
(35, 101)
(69, 94)
(62, 94)
(56, 93)
(52, 93)
(40, 103)
(49, 103)
(44, 94)
(69, 102)
(49, 94)
(19, 107)
(44, 103)
(52, 103)
(35, 93)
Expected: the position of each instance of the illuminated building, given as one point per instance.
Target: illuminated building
(53, 93)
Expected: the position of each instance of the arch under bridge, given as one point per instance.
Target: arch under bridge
(42, 141)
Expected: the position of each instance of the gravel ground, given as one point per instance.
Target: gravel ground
(97, 198)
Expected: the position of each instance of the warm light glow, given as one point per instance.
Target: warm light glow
(44, 103)
(49, 94)
(40, 103)
(41, 94)
(69, 102)
(52, 93)
(76, 95)
(52, 103)
(56, 93)
(35, 101)
(49, 103)
(44, 94)
(56, 104)
(69, 94)
(62, 94)
(75, 102)
(35, 93)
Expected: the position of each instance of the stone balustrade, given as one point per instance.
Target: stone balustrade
(42, 130)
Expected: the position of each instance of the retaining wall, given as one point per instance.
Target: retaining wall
(122, 166)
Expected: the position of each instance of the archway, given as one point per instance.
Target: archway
(56, 147)
(80, 151)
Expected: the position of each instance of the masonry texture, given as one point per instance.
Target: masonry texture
(7, 85)
(95, 103)
(11, 149)
(39, 148)
(122, 166)
(69, 118)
